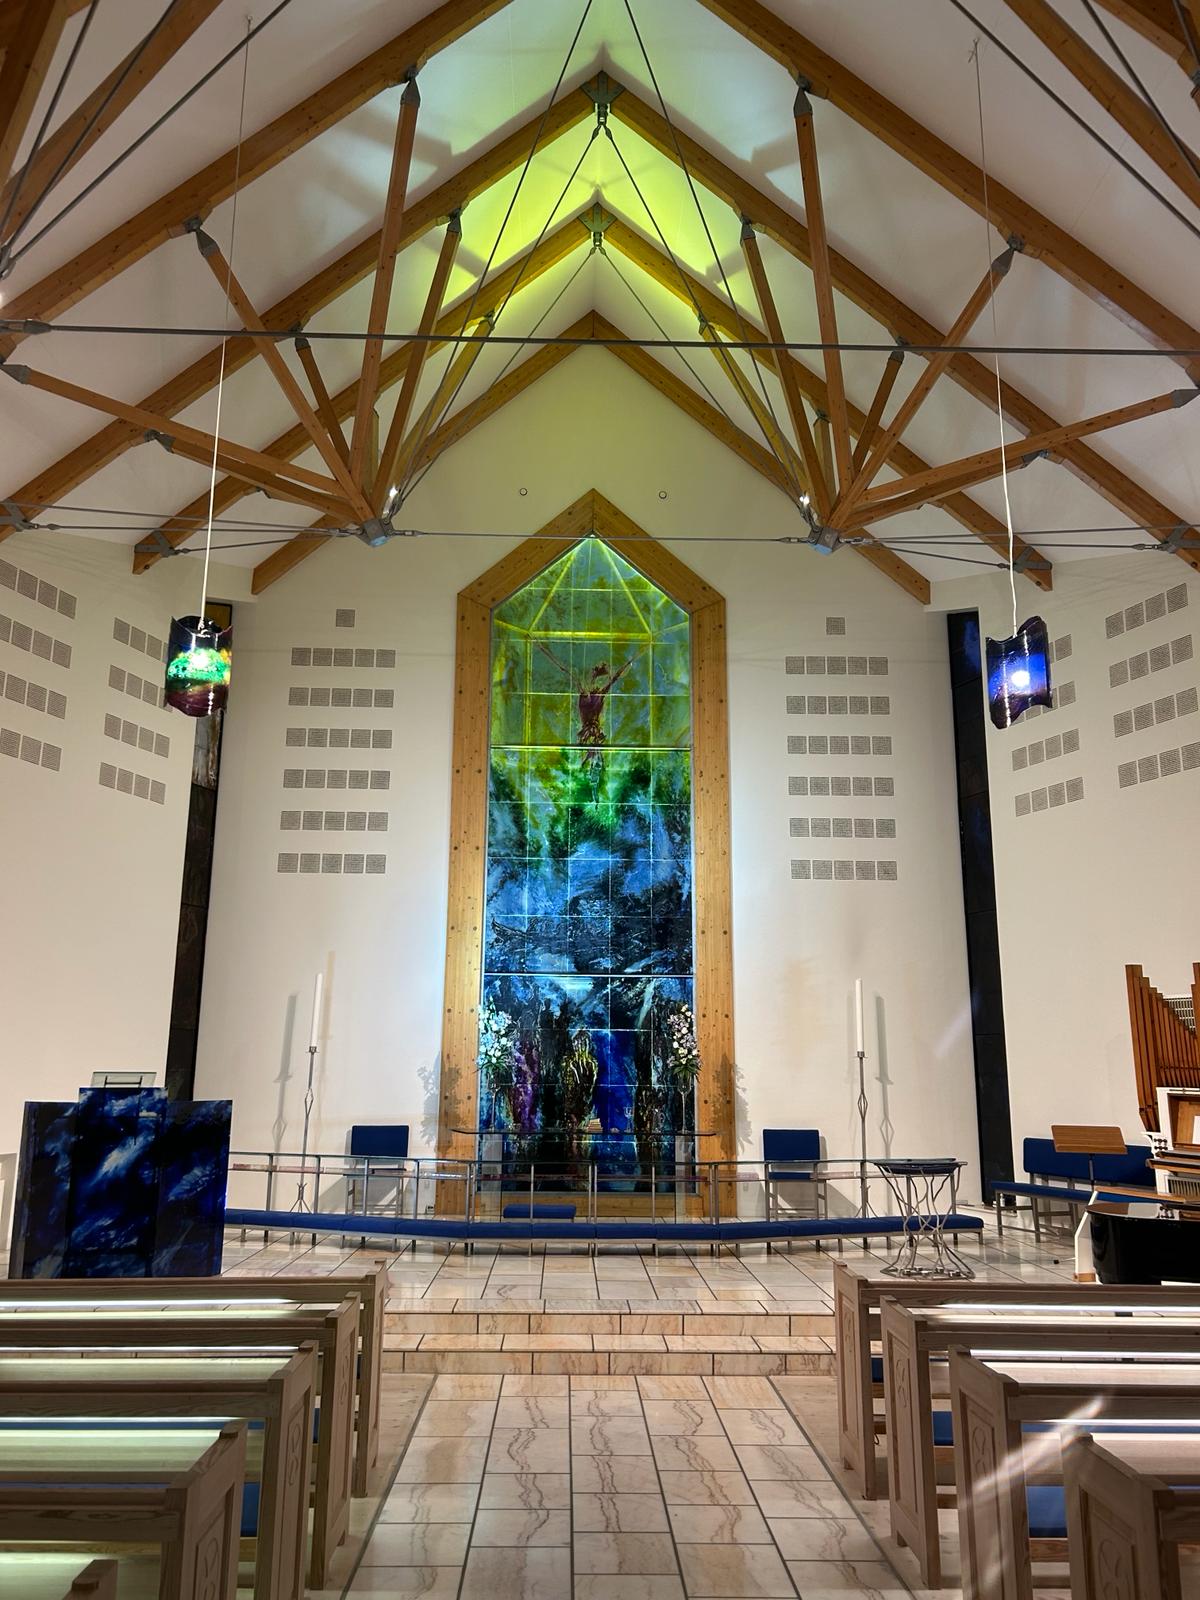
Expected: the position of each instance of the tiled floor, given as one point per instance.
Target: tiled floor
(556, 1481)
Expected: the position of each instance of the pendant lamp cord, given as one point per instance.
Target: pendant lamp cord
(212, 482)
(1012, 580)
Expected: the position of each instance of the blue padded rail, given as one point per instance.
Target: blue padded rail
(525, 1228)
(536, 1209)
(1054, 1191)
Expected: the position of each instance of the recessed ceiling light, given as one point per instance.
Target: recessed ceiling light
(522, 491)
(662, 494)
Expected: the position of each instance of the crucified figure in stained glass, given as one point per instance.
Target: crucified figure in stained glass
(593, 689)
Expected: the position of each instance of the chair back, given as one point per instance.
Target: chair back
(791, 1144)
(379, 1139)
(1044, 1161)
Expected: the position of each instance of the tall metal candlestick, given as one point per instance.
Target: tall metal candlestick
(863, 1106)
(313, 1035)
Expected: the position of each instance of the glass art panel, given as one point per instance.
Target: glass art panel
(1018, 672)
(588, 943)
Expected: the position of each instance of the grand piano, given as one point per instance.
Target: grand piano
(1145, 1241)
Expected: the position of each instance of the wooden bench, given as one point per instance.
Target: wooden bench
(1132, 1501)
(858, 1368)
(41, 1577)
(371, 1284)
(335, 1334)
(919, 1440)
(279, 1392)
(190, 1514)
(995, 1462)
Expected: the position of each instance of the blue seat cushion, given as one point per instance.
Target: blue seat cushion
(943, 1427)
(790, 1177)
(539, 1209)
(1047, 1505)
(876, 1369)
(250, 1499)
(1053, 1191)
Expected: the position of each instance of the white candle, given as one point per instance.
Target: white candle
(859, 1045)
(316, 1011)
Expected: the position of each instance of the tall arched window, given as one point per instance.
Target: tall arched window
(588, 953)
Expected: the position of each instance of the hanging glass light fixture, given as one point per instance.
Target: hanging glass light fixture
(1018, 672)
(199, 654)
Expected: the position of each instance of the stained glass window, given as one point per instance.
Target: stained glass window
(588, 943)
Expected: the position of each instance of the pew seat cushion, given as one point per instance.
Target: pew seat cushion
(1052, 1191)
(1047, 1504)
(544, 1211)
(943, 1427)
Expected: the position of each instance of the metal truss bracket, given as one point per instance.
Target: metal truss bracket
(16, 519)
(602, 92)
(598, 222)
(157, 436)
(24, 325)
(156, 543)
(1024, 560)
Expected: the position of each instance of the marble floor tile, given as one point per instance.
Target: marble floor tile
(609, 1436)
(537, 1574)
(534, 1384)
(706, 1489)
(794, 1497)
(823, 1539)
(652, 1553)
(739, 1393)
(608, 1586)
(719, 1525)
(603, 1383)
(846, 1580)
(532, 1411)
(465, 1386)
(780, 1461)
(417, 1544)
(605, 1403)
(769, 1427)
(691, 1417)
(614, 1475)
(733, 1572)
(405, 1583)
(456, 1419)
(679, 1453)
(525, 1528)
(431, 1502)
(525, 1491)
(619, 1513)
(443, 1461)
(529, 1450)
(654, 1387)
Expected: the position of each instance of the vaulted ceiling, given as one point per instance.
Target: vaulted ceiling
(899, 249)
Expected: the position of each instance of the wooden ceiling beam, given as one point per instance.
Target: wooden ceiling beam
(522, 272)
(1008, 213)
(260, 152)
(714, 422)
(781, 446)
(976, 518)
(814, 216)
(174, 432)
(269, 350)
(883, 393)
(458, 370)
(935, 365)
(1123, 104)
(1158, 21)
(385, 276)
(916, 489)
(419, 353)
(56, 481)
(32, 41)
(280, 562)
(325, 407)
(77, 133)
(900, 319)
(782, 369)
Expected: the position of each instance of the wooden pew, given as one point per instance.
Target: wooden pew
(192, 1515)
(1132, 1500)
(39, 1577)
(371, 1284)
(994, 1463)
(335, 1334)
(277, 1391)
(856, 1299)
(914, 1336)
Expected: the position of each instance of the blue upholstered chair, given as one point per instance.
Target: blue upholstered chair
(378, 1141)
(790, 1155)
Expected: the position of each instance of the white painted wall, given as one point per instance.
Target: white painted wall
(90, 874)
(380, 939)
(1085, 886)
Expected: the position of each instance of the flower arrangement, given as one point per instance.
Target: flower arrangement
(680, 1054)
